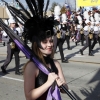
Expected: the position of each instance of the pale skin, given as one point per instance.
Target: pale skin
(12, 25)
(31, 72)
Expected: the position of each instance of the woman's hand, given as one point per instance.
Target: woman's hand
(54, 77)
(51, 78)
(59, 82)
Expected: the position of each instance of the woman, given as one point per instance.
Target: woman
(37, 83)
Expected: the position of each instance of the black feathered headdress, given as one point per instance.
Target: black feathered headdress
(40, 28)
(36, 24)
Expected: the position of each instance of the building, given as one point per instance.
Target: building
(3, 13)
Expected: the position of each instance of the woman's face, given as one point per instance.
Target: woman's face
(47, 46)
(12, 25)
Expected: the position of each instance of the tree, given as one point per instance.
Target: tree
(53, 6)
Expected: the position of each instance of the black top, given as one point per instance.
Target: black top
(42, 77)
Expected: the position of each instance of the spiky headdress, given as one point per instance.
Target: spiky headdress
(39, 25)
(36, 24)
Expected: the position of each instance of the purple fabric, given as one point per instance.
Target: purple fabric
(55, 95)
(51, 95)
(77, 36)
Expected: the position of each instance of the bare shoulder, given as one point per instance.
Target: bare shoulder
(30, 67)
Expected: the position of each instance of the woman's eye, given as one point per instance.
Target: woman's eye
(44, 41)
(51, 41)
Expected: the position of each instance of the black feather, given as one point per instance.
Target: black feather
(15, 12)
(48, 1)
(16, 18)
(20, 4)
(35, 6)
(20, 13)
(40, 7)
(30, 6)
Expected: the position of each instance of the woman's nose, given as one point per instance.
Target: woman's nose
(50, 43)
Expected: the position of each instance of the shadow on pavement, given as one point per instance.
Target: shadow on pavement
(91, 93)
(96, 50)
(2, 61)
(22, 65)
(73, 46)
(72, 55)
(11, 70)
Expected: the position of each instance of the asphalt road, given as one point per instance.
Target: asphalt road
(82, 75)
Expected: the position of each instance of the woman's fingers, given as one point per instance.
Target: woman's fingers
(52, 77)
(59, 81)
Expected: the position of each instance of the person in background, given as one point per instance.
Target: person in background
(12, 49)
(88, 38)
(65, 29)
(95, 35)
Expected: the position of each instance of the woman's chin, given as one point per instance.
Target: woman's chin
(48, 53)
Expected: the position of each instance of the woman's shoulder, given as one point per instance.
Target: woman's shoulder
(30, 65)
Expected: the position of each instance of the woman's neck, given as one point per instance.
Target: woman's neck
(47, 59)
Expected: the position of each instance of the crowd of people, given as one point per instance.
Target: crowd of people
(82, 25)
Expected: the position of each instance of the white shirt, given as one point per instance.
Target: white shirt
(4, 33)
(86, 30)
(96, 16)
(92, 27)
(92, 19)
(96, 28)
(20, 31)
(79, 18)
(5, 37)
(79, 27)
(85, 14)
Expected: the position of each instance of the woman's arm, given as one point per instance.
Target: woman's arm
(30, 73)
(61, 75)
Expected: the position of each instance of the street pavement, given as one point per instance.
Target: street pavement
(82, 74)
